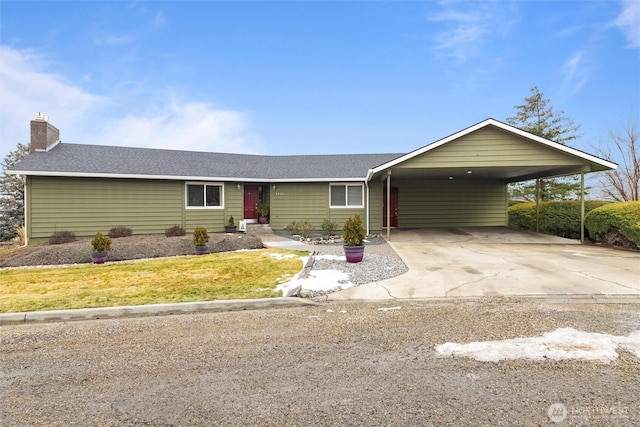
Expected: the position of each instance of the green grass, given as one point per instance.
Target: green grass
(231, 275)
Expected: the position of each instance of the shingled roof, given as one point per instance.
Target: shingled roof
(109, 161)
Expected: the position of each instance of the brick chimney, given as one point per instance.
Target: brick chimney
(43, 134)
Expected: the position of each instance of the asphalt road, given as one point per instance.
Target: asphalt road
(353, 365)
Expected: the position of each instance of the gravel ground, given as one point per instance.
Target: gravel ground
(380, 262)
(352, 365)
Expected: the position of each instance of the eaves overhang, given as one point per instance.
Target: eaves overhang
(180, 177)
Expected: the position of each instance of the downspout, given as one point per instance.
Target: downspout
(582, 207)
(24, 202)
(389, 205)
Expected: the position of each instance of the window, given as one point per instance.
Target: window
(204, 195)
(347, 195)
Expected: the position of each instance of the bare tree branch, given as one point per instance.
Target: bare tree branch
(622, 184)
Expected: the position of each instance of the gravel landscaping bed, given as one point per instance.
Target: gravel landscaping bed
(125, 248)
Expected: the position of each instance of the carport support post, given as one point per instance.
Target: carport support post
(582, 207)
(538, 205)
(388, 205)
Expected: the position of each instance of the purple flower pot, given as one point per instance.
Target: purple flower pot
(354, 253)
(202, 250)
(99, 257)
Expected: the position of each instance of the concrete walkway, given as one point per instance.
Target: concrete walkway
(473, 262)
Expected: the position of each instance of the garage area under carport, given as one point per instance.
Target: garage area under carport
(462, 180)
(498, 261)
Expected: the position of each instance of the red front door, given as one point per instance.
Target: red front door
(251, 200)
(394, 207)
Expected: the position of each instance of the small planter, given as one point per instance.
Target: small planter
(263, 219)
(230, 228)
(354, 253)
(201, 250)
(99, 257)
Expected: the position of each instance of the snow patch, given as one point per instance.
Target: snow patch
(561, 344)
(283, 256)
(318, 280)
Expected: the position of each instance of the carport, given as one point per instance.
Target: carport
(497, 261)
(462, 180)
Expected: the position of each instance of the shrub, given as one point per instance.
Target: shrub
(523, 215)
(60, 237)
(200, 236)
(120, 231)
(231, 222)
(353, 232)
(303, 228)
(101, 243)
(22, 235)
(293, 228)
(622, 216)
(306, 229)
(175, 231)
(329, 227)
(557, 218)
(263, 209)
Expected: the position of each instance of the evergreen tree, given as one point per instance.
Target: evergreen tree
(12, 195)
(538, 117)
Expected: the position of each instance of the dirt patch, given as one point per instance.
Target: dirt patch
(125, 248)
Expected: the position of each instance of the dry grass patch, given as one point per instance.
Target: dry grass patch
(230, 275)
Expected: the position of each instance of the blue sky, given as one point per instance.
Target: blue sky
(309, 77)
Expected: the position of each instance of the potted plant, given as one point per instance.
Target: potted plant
(353, 234)
(101, 244)
(231, 226)
(263, 213)
(200, 239)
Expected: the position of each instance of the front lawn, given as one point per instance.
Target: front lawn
(230, 275)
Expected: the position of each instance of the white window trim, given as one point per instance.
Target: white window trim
(186, 195)
(345, 184)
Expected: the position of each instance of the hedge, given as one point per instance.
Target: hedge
(557, 218)
(623, 216)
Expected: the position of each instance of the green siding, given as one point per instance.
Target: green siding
(299, 202)
(490, 147)
(88, 205)
(450, 204)
(376, 189)
(211, 219)
(306, 201)
(233, 201)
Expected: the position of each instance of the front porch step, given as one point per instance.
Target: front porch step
(260, 230)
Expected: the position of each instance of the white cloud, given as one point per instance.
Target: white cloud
(469, 25)
(114, 40)
(26, 88)
(576, 72)
(189, 126)
(629, 22)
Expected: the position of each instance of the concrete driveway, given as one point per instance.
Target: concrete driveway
(497, 261)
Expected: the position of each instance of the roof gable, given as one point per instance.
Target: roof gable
(494, 144)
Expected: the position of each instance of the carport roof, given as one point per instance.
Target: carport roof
(566, 160)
